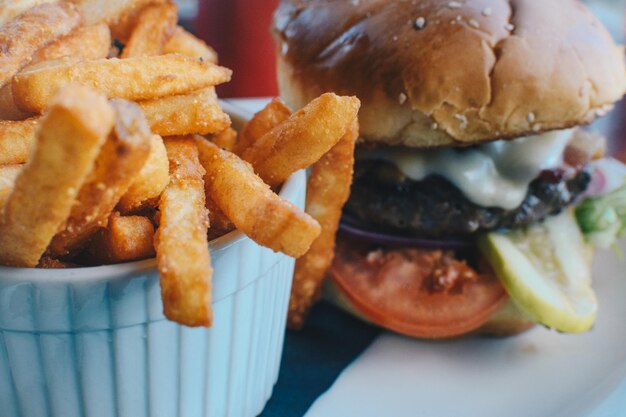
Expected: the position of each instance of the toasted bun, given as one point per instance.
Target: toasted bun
(440, 72)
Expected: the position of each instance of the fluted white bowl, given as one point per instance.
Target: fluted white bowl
(93, 342)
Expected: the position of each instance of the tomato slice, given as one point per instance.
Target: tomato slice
(420, 293)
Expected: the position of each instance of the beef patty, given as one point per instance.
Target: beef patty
(383, 198)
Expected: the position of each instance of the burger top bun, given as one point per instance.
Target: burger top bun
(441, 73)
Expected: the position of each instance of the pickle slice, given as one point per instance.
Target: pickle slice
(546, 269)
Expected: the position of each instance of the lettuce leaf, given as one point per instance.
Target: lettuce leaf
(603, 219)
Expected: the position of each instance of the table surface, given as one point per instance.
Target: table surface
(365, 356)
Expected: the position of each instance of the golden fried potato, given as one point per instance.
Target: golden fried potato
(126, 238)
(303, 138)
(252, 206)
(154, 27)
(195, 113)
(16, 140)
(121, 158)
(11, 8)
(75, 127)
(139, 78)
(8, 109)
(328, 189)
(120, 15)
(87, 42)
(122, 27)
(148, 185)
(47, 262)
(21, 37)
(226, 139)
(219, 224)
(183, 42)
(8, 175)
(262, 122)
(90, 42)
(182, 246)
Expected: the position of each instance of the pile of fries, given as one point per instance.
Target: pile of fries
(109, 154)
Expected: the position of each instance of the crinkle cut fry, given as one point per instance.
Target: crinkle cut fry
(328, 189)
(181, 241)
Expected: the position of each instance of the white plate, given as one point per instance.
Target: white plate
(536, 374)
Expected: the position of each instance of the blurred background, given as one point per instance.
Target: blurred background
(240, 32)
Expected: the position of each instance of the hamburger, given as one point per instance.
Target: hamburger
(472, 157)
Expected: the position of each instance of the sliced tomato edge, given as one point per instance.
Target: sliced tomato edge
(411, 328)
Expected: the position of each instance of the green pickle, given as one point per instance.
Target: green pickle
(546, 269)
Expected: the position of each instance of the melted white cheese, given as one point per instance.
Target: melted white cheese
(496, 174)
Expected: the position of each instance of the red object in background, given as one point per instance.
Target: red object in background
(239, 30)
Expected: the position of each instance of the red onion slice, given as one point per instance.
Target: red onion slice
(355, 230)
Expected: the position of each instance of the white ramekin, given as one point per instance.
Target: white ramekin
(93, 342)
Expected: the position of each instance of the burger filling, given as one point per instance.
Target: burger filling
(407, 252)
(383, 198)
(451, 192)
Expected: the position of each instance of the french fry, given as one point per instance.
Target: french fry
(121, 158)
(50, 263)
(252, 206)
(16, 140)
(74, 129)
(181, 240)
(120, 15)
(154, 27)
(226, 139)
(126, 238)
(8, 109)
(219, 224)
(21, 37)
(150, 182)
(183, 42)
(87, 42)
(262, 122)
(198, 112)
(122, 27)
(139, 78)
(303, 138)
(8, 175)
(328, 189)
(11, 8)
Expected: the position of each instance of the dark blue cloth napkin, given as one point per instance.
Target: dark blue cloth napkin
(314, 357)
